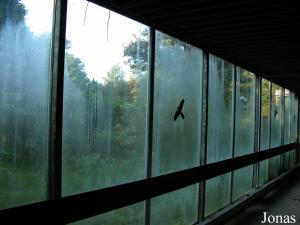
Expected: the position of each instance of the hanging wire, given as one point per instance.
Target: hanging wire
(86, 7)
(107, 25)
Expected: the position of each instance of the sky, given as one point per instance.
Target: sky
(98, 48)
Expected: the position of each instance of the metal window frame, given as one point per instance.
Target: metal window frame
(80, 206)
(204, 122)
(56, 100)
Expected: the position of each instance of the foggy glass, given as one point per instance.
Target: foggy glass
(220, 129)
(217, 193)
(264, 129)
(244, 129)
(104, 114)
(129, 215)
(175, 208)
(294, 122)
(178, 74)
(293, 158)
(263, 172)
(276, 121)
(294, 117)
(287, 129)
(24, 100)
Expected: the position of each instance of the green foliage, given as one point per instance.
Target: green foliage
(12, 11)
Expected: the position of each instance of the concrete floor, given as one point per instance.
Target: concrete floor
(283, 200)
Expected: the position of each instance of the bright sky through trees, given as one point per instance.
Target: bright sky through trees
(101, 45)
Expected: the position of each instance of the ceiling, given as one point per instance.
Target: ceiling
(261, 36)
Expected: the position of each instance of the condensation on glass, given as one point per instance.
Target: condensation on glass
(176, 124)
(287, 129)
(105, 99)
(264, 129)
(244, 129)
(177, 105)
(276, 124)
(25, 48)
(219, 130)
(179, 207)
(294, 131)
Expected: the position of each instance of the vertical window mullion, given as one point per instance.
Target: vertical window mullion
(56, 102)
(256, 127)
(204, 119)
(150, 117)
(233, 128)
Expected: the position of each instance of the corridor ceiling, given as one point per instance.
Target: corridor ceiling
(258, 35)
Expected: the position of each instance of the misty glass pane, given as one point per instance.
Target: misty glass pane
(220, 127)
(175, 208)
(264, 129)
(276, 111)
(276, 121)
(294, 117)
(105, 97)
(287, 129)
(244, 129)
(217, 193)
(129, 215)
(293, 158)
(263, 172)
(25, 47)
(177, 105)
(265, 115)
(242, 182)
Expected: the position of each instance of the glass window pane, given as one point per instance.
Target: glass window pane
(179, 207)
(220, 129)
(293, 158)
(294, 117)
(244, 129)
(105, 97)
(287, 129)
(177, 105)
(129, 215)
(263, 172)
(217, 193)
(276, 110)
(265, 115)
(25, 47)
(276, 121)
(264, 129)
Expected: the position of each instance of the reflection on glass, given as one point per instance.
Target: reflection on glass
(176, 136)
(220, 127)
(105, 97)
(129, 215)
(244, 129)
(276, 121)
(24, 99)
(175, 208)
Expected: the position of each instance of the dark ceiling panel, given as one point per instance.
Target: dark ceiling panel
(258, 35)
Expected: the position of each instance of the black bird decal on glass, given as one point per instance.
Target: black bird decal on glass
(275, 111)
(179, 111)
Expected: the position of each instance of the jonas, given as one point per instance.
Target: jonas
(278, 218)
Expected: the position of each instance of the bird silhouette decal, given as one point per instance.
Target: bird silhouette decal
(179, 111)
(275, 111)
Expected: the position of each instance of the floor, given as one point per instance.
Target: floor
(283, 201)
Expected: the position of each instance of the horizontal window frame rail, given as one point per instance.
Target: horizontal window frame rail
(80, 206)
